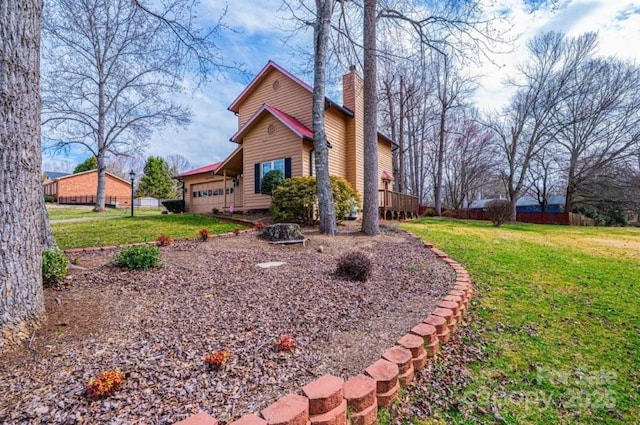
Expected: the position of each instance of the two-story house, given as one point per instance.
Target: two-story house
(274, 132)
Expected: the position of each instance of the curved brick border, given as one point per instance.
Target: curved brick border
(327, 399)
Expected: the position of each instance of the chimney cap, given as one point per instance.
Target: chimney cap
(352, 68)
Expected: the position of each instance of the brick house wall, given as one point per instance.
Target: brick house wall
(86, 184)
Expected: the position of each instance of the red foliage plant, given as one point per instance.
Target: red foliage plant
(164, 240)
(236, 231)
(258, 226)
(105, 384)
(217, 359)
(285, 342)
(204, 234)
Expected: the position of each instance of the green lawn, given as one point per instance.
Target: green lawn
(559, 311)
(63, 212)
(123, 230)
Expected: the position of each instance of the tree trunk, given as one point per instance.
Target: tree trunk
(102, 184)
(370, 220)
(21, 200)
(102, 145)
(321, 151)
(402, 188)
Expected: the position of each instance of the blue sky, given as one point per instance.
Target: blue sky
(259, 33)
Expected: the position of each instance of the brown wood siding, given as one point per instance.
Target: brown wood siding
(289, 98)
(307, 148)
(260, 146)
(385, 162)
(336, 128)
(352, 89)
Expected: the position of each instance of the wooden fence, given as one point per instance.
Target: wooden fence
(563, 218)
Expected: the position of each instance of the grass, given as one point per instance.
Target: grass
(123, 230)
(558, 316)
(58, 212)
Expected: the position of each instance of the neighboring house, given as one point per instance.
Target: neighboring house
(52, 175)
(526, 204)
(80, 188)
(274, 132)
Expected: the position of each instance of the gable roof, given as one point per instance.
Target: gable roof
(52, 175)
(290, 122)
(271, 65)
(95, 170)
(206, 169)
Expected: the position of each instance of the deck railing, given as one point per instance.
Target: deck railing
(395, 205)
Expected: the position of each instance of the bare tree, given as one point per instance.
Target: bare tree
(598, 121)
(543, 178)
(370, 219)
(22, 210)
(177, 164)
(321, 30)
(526, 127)
(469, 162)
(110, 66)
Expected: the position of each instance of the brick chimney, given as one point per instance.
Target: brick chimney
(352, 98)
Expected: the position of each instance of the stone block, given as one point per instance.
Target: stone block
(201, 418)
(360, 392)
(385, 373)
(324, 394)
(289, 410)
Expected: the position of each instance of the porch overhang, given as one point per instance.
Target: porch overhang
(232, 166)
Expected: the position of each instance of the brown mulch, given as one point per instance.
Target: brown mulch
(156, 326)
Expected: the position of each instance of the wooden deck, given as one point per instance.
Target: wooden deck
(397, 206)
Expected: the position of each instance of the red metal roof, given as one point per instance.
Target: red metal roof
(386, 176)
(206, 169)
(290, 122)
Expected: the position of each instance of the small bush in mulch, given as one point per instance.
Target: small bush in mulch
(285, 342)
(54, 266)
(258, 226)
(203, 234)
(105, 384)
(355, 265)
(164, 240)
(141, 257)
(217, 359)
(236, 231)
(499, 211)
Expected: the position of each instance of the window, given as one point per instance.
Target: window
(262, 168)
(277, 164)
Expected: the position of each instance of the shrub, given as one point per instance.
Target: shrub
(105, 384)
(164, 240)
(498, 211)
(429, 212)
(271, 181)
(203, 234)
(285, 342)
(345, 198)
(295, 200)
(355, 265)
(258, 226)
(217, 359)
(174, 205)
(49, 198)
(139, 257)
(54, 266)
(236, 231)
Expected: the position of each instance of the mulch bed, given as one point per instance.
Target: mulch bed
(156, 326)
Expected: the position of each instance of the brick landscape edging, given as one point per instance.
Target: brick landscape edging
(330, 400)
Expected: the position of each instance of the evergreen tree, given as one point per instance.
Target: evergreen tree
(156, 181)
(88, 164)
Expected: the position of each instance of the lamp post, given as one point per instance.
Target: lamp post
(133, 177)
